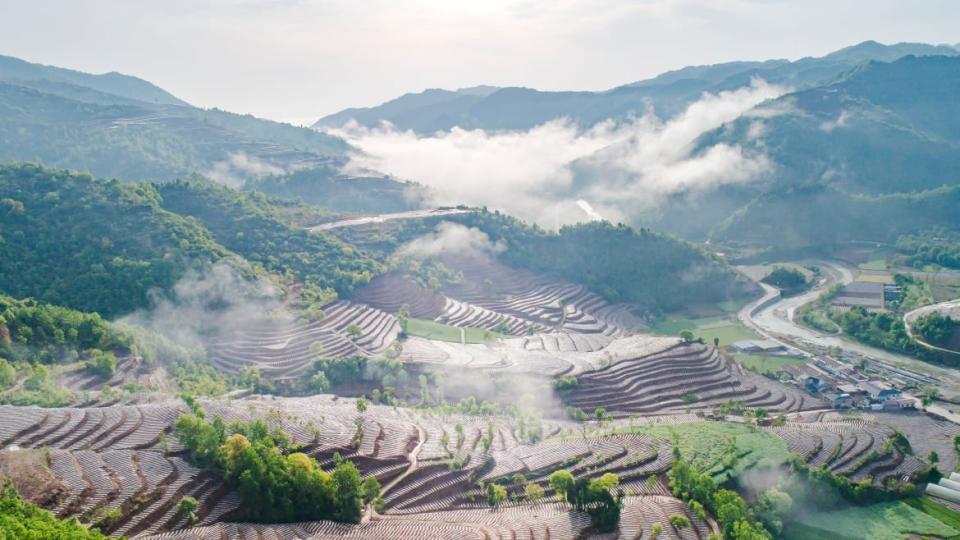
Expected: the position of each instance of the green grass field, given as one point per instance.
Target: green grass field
(728, 329)
(704, 444)
(763, 363)
(877, 261)
(442, 332)
(883, 521)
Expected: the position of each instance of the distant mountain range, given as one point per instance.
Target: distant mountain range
(121, 126)
(871, 132)
(515, 108)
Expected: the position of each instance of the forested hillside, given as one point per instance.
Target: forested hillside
(325, 187)
(91, 244)
(823, 216)
(656, 271)
(250, 225)
(120, 126)
(871, 156)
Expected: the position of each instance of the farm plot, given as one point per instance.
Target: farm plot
(143, 487)
(708, 445)
(853, 447)
(926, 434)
(283, 349)
(495, 297)
(727, 329)
(682, 378)
(883, 521)
(551, 354)
(121, 427)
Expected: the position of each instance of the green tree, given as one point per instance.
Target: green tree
(187, 507)
(103, 364)
(370, 489)
(533, 492)
(562, 482)
(686, 335)
(679, 521)
(496, 494)
(318, 382)
(8, 375)
(22, 520)
(346, 479)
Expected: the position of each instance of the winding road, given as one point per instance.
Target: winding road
(773, 318)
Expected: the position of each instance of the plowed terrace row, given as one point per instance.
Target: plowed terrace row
(129, 458)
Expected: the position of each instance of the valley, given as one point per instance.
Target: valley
(719, 302)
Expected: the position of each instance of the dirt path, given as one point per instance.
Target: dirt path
(412, 456)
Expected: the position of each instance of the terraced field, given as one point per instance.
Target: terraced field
(545, 520)
(128, 458)
(680, 378)
(492, 295)
(857, 448)
(281, 349)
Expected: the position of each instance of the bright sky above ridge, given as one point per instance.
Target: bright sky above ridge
(297, 60)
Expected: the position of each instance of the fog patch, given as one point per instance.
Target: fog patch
(542, 174)
(843, 119)
(450, 238)
(238, 168)
(207, 304)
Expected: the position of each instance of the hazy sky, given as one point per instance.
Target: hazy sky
(297, 60)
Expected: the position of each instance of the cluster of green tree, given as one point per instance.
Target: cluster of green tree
(23, 520)
(737, 520)
(939, 246)
(250, 224)
(275, 482)
(594, 496)
(326, 187)
(883, 330)
(34, 336)
(188, 367)
(31, 330)
(788, 279)
(937, 329)
(89, 244)
(827, 491)
(656, 271)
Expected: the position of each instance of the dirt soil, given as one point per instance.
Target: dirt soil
(30, 474)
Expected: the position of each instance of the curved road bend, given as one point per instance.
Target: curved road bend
(912, 316)
(776, 321)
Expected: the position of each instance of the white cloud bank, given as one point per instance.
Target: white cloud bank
(531, 173)
(238, 168)
(450, 238)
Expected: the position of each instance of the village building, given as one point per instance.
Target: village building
(880, 391)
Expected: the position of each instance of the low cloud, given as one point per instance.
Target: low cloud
(547, 173)
(206, 305)
(842, 120)
(238, 168)
(450, 238)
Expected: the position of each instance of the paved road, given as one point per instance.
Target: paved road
(353, 222)
(776, 321)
